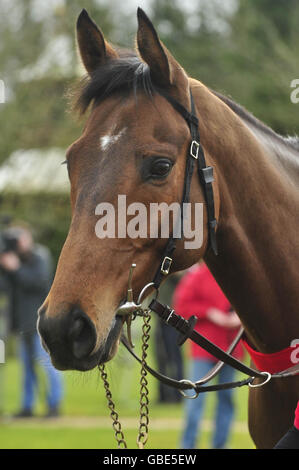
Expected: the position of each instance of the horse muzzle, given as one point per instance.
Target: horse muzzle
(71, 338)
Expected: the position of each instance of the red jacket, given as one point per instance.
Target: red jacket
(195, 294)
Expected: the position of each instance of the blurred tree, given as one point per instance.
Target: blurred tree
(281, 14)
(263, 54)
(38, 58)
(38, 63)
(247, 50)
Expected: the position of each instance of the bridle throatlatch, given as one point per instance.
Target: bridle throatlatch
(130, 310)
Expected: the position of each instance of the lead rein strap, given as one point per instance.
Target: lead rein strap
(184, 385)
(186, 329)
(199, 386)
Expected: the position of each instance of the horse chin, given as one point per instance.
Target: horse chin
(113, 351)
(109, 349)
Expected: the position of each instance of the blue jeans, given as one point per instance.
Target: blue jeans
(194, 408)
(32, 353)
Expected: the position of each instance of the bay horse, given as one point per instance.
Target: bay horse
(134, 144)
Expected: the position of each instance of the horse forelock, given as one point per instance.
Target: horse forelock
(127, 74)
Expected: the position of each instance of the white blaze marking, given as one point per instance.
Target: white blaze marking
(108, 140)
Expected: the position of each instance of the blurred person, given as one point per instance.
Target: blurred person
(4, 302)
(199, 294)
(28, 269)
(168, 353)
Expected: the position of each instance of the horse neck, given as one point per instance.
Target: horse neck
(257, 230)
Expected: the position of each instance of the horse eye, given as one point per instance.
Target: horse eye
(160, 168)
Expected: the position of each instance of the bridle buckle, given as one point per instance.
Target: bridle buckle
(165, 267)
(194, 149)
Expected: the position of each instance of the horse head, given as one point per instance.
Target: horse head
(134, 144)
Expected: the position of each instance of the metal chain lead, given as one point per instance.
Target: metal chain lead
(144, 400)
(118, 433)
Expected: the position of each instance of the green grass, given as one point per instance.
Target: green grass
(24, 437)
(85, 399)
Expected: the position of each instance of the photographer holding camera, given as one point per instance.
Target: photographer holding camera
(27, 268)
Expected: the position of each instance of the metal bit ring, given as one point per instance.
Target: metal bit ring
(192, 385)
(145, 288)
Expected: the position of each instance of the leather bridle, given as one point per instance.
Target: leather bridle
(186, 328)
(195, 153)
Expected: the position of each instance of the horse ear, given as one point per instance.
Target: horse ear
(94, 50)
(165, 70)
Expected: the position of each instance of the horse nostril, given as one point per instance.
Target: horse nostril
(82, 335)
(77, 328)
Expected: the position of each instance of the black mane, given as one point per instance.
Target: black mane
(124, 75)
(292, 142)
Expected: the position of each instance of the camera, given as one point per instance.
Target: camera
(8, 240)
